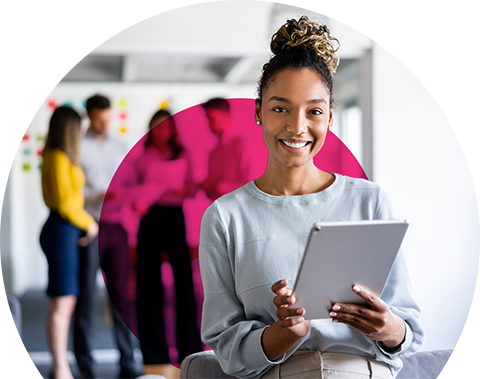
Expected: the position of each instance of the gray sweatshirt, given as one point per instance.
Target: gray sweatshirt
(250, 239)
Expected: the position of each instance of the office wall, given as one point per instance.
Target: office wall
(132, 107)
(418, 160)
(22, 105)
(5, 241)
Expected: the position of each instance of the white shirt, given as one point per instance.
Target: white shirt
(100, 160)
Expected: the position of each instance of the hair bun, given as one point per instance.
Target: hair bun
(310, 34)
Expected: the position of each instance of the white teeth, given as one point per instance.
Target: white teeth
(294, 145)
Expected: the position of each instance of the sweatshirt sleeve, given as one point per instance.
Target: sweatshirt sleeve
(235, 339)
(397, 293)
(61, 192)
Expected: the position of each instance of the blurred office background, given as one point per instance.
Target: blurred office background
(382, 113)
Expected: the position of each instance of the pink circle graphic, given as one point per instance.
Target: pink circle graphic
(144, 181)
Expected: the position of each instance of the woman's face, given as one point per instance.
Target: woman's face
(162, 131)
(295, 115)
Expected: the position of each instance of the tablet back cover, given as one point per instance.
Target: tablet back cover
(341, 254)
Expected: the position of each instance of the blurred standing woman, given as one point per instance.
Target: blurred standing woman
(165, 164)
(62, 185)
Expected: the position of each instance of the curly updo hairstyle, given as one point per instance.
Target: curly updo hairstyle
(301, 44)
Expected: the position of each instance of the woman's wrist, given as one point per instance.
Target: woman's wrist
(395, 343)
(276, 341)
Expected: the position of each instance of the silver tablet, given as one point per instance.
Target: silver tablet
(341, 254)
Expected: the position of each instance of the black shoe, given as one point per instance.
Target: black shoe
(87, 372)
(129, 372)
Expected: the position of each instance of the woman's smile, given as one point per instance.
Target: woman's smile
(295, 116)
(296, 144)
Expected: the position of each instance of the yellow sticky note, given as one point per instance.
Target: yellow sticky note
(122, 103)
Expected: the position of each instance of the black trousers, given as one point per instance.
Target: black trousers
(163, 229)
(112, 255)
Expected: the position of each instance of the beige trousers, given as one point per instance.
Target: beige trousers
(314, 364)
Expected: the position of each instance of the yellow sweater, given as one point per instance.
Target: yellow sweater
(62, 185)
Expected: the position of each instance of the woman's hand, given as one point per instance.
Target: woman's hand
(282, 335)
(376, 321)
(92, 232)
(289, 318)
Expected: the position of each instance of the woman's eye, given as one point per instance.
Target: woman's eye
(279, 109)
(316, 112)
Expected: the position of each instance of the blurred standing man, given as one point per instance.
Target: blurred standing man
(228, 166)
(101, 155)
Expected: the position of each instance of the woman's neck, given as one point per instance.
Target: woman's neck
(291, 181)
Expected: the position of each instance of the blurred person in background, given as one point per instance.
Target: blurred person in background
(101, 155)
(62, 185)
(228, 166)
(165, 171)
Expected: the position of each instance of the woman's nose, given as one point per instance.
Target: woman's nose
(297, 124)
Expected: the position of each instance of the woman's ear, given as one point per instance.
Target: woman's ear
(258, 109)
(330, 119)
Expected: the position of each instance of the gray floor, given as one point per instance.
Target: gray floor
(34, 306)
(34, 314)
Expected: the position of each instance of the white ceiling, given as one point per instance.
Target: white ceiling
(226, 41)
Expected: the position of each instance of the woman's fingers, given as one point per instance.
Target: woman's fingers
(283, 298)
(376, 320)
(357, 316)
(284, 301)
(280, 288)
(293, 321)
(285, 312)
(372, 300)
(289, 317)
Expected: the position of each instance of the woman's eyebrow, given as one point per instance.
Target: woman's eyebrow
(278, 98)
(316, 101)
(284, 100)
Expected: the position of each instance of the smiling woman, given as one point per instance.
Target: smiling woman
(296, 116)
(252, 239)
(295, 105)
